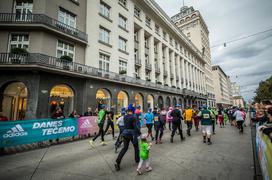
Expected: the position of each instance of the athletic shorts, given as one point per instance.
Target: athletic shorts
(206, 129)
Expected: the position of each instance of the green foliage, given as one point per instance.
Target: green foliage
(18, 51)
(264, 91)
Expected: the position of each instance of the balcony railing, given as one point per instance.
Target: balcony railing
(148, 66)
(157, 69)
(138, 62)
(53, 63)
(42, 19)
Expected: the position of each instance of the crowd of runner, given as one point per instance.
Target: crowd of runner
(132, 122)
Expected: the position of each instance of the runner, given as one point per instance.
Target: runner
(120, 123)
(149, 119)
(239, 117)
(144, 155)
(187, 116)
(130, 134)
(220, 119)
(176, 123)
(164, 114)
(206, 124)
(100, 121)
(110, 116)
(214, 117)
(196, 119)
(169, 118)
(158, 126)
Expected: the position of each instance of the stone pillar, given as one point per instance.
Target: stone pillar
(167, 66)
(183, 72)
(160, 61)
(173, 60)
(178, 72)
(142, 53)
(152, 58)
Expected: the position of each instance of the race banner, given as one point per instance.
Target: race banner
(14, 133)
(87, 125)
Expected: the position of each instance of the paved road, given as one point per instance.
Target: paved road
(230, 157)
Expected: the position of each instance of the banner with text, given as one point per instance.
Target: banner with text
(87, 125)
(14, 133)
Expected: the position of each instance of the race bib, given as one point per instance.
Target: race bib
(156, 118)
(206, 116)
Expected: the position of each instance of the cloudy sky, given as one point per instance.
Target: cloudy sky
(247, 61)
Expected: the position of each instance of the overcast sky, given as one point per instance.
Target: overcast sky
(248, 61)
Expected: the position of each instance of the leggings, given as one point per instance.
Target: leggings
(100, 133)
(159, 133)
(142, 162)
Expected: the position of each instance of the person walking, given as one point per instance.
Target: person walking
(110, 117)
(169, 118)
(129, 134)
(239, 117)
(159, 124)
(149, 119)
(176, 123)
(187, 116)
(100, 121)
(144, 155)
(206, 124)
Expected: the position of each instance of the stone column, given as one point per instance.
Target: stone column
(152, 58)
(167, 66)
(142, 53)
(178, 72)
(160, 61)
(173, 60)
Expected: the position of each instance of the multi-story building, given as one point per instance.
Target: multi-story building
(222, 87)
(236, 95)
(194, 27)
(80, 54)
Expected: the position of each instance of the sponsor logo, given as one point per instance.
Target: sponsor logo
(15, 131)
(86, 124)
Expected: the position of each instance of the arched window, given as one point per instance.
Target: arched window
(14, 101)
(160, 102)
(174, 101)
(139, 100)
(62, 96)
(122, 100)
(168, 102)
(150, 101)
(103, 96)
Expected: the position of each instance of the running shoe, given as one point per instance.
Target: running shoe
(209, 143)
(139, 172)
(103, 143)
(117, 166)
(92, 143)
(148, 169)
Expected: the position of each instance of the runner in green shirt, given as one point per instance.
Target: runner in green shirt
(144, 155)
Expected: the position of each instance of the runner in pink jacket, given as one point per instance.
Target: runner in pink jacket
(169, 118)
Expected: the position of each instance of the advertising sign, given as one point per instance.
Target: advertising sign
(87, 125)
(14, 133)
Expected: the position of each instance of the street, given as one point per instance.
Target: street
(229, 157)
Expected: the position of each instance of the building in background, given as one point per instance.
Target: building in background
(222, 87)
(76, 54)
(192, 24)
(236, 95)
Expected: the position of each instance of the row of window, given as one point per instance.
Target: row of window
(104, 64)
(22, 41)
(104, 37)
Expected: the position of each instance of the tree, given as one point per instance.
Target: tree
(264, 91)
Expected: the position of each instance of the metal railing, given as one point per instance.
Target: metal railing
(42, 19)
(59, 64)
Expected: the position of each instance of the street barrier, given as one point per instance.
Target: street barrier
(264, 154)
(13, 133)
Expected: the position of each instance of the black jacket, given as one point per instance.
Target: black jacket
(176, 114)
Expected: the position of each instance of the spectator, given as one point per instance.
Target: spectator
(89, 112)
(58, 114)
(74, 114)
